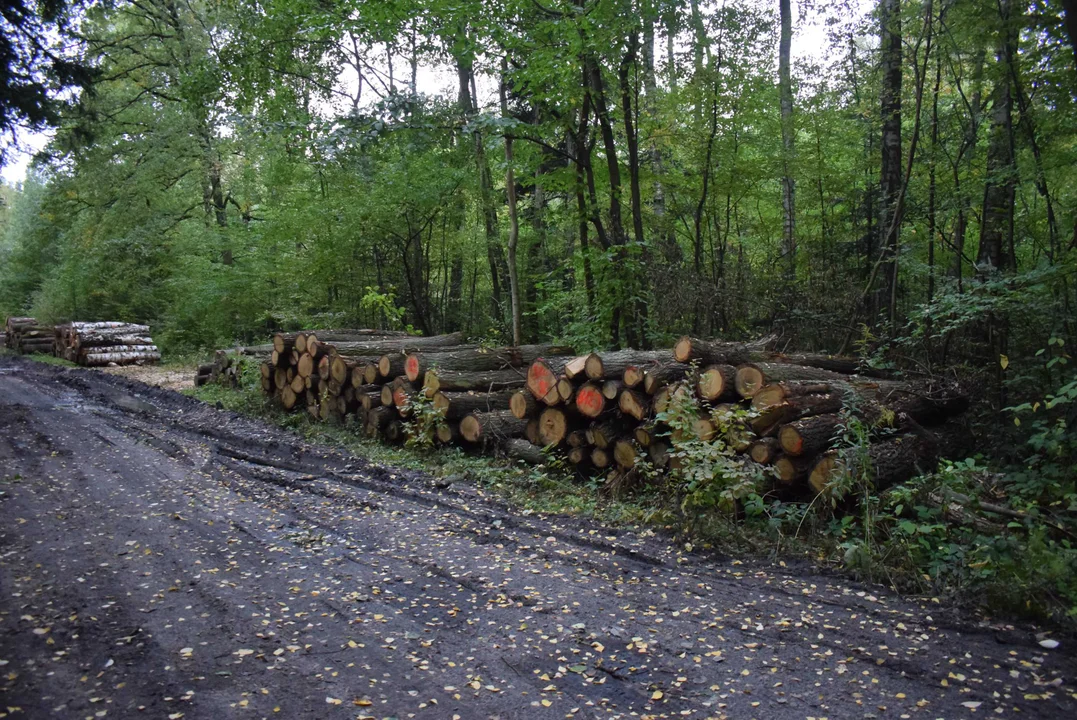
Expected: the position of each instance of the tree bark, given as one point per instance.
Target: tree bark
(514, 220)
(1000, 189)
(890, 173)
(785, 92)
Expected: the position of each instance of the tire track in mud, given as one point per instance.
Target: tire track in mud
(297, 576)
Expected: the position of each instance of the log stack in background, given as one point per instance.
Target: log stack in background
(226, 365)
(96, 344)
(602, 411)
(25, 335)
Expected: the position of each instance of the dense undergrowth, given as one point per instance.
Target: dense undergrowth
(967, 533)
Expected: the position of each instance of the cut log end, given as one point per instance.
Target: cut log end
(590, 401)
(522, 404)
(682, 351)
(541, 380)
(825, 471)
(714, 382)
(411, 367)
(552, 427)
(749, 380)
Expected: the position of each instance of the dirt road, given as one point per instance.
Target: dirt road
(162, 559)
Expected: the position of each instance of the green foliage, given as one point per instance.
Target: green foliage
(709, 474)
(423, 420)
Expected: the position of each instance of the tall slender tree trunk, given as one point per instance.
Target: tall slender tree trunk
(617, 232)
(1000, 189)
(890, 175)
(514, 221)
(667, 238)
(495, 258)
(932, 222)
(785, 91)
(639, 280)
(582, 154)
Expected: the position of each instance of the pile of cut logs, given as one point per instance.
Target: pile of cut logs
(226, 364)
(603, 411)
(104, 343)
(24, 335)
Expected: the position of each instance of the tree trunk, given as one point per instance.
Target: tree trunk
(890, 173)
(455, 405)
(614, 364)
(488, 381)
(514, 221)
(785, 91)
(1000, 188)
(474, 358)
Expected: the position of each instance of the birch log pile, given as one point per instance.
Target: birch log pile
(96, 344)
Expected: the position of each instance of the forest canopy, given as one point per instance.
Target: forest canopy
(231, 168)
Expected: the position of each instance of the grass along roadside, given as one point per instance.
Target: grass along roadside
(1022, 566)
(548, 488)
(913, 538)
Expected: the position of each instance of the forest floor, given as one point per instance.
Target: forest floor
(163, 558)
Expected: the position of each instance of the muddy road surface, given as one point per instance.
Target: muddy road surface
(163, 559)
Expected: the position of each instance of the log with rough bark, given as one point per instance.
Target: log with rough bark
(777, 392)
(765, 450)
(600, 458)
(495, 426)
(598, 366)
(634, 404)
(603, 435)
(122, 358)
(716, 383)
(389, 346)
(646, 434)
(391, 365)
(718, 352)
(876, 401)
(531, 430)
(793, 470)
(809, 436)
(473, 358)
(612, 389)
(577, 438)
(751, 378)
(768, 422)
(579, 456)
(731, 353)
(658, 453)
(521, 449)
(662, 398)
(455, 405)
(890, 462)
(702, 428)
(377, 420)
(659, 376)
(456, 381)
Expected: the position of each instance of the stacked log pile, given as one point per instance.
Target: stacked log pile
(604, 411)
(226, 365)
(25, 335)
(95, 344)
